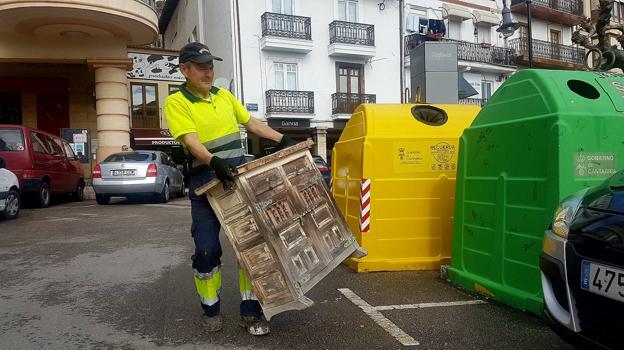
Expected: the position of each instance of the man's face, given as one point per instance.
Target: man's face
(198, 75)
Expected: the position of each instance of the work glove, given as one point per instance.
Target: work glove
(286, 142)
(225, 172)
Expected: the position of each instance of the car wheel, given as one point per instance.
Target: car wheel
(164, 195)
(102, 199)
(12, 205)
(79, 193)
(44, 195)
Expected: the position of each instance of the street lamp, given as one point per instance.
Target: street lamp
(508, 27)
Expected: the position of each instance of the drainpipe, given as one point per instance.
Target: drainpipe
(240, 56)
(401, 53)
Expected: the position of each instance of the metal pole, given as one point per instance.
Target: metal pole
(530, 34)
(401, 52)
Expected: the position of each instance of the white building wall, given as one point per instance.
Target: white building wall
(316, 69)
(184, 20)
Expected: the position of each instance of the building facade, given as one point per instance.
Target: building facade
(63, 65)
(300, 66)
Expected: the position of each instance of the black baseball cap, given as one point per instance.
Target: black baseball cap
(196, 52)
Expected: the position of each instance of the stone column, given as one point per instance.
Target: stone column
(321, 142)
(111, 105)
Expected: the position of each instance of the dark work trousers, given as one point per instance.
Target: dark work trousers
(205, 231)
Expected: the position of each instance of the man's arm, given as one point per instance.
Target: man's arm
(259, 128)
(191, 140)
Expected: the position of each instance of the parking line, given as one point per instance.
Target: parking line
(426, 305)
(374, 313)
(380, 319)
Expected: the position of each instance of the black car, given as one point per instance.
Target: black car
(582, 267)
(322, 166)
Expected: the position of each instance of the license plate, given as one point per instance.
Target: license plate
(602, 279)
(123, 172)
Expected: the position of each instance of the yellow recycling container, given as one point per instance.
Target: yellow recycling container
(393, 178)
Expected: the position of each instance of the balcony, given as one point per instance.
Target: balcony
(286, 33)
(345, 103)
(490, 58)
(289, 102)
(568, 12)
(133, 20)
(548, 55)
(351, 39)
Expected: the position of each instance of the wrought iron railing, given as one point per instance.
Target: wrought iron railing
(574, 7)
(472, 101)
(346, 103)
(484, 53)
(351, 33)
(287, 26)
(548, 50)
(467, 51)
(410, 42)
(289, 101)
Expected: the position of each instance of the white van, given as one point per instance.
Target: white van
(9, 193)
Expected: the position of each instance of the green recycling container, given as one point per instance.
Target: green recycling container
(544, 135)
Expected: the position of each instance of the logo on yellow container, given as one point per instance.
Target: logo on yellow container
(443, 152)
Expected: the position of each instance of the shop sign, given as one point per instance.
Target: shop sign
(289, 123)
(154, 67)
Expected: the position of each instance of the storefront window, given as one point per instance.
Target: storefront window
(145, 106)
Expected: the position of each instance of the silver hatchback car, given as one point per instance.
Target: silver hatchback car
(137, 173)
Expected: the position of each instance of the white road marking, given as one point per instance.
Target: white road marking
(168, 206)
(426, 305)
(380, 319)
(85, 214)
(374, 313)
(55, 219)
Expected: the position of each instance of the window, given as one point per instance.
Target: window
(11, 108)
(349, 78)
(68, 150)
(454, 30)
(483, 34)
(145, 106)
(56, 148)
(11, 140)
(173, 89)
(283, 6)
(555, 36)
(416, 21)
(285, 76)
(617, 14)
(130, 157)
(38, 145)
(486, 90)
(347, 10)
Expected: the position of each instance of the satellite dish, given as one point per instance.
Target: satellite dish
(222, 83)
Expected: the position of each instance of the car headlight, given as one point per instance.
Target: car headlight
(566, 212)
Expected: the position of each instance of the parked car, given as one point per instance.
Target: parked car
(582, 266)
(322, 166)
(9, 193)
(137, 173)
(43, 163)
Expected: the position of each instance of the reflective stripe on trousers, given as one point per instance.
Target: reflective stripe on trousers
(244, 285)
(208, 286)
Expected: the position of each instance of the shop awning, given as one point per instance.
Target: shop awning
(485, 17)
(455, 11)
(153, 137)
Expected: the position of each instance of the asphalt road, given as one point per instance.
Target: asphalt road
(82, 276)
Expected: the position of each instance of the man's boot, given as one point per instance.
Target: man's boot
(213, 323)
(255, 325)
